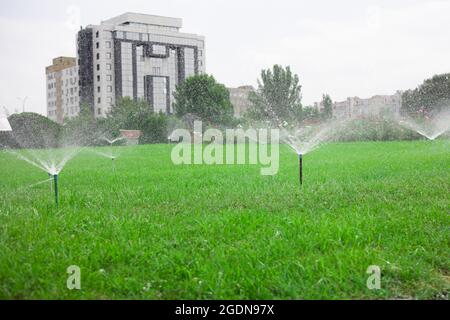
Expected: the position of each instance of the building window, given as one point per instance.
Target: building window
(98, 89)
(98, 78)
(99, 111)
(97, 34)
(98, 67)
(99, 100)
(97, 45)
(109, 88)
(108, 44)
(109, 100)
(109, 77)
(200, 53)
(156, 70)
(108, 66)
(98, 56)
(108, 55)
(158, 49)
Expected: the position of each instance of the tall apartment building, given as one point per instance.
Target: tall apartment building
(239, 99)
(138, 56)
(62, 89)
(355, 107)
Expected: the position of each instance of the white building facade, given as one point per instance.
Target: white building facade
(62, 89)
(137, 56)
(355, 107)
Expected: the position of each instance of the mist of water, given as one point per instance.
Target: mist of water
(112, 151)
(42, 148)
(305, 139)
(430, 127)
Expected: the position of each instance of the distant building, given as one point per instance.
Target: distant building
(355, 107)
(138, 56)
(239, 99)
(62, 89)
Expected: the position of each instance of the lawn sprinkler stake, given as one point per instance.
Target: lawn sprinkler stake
(55, 183)
(300, 167)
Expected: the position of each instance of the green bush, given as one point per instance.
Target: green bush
(84, 129)
(130, 114)
(154, 129)
(31, 130)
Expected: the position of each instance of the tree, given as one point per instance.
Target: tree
(278, 97)
(203, 97)
(327, 107)
(432, 95)
(310, 114)
(83, 127)
(137, 115)
(128, 114)
(154, 129)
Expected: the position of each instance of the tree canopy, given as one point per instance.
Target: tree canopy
(327, 106)
(278, 97)
(138, 115)
(205, 98)
(432, 95)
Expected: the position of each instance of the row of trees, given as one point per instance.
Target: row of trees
(277, 101)
(429, 97)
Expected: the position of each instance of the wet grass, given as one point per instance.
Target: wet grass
(154, 230)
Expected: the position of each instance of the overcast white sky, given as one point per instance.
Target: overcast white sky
(344, 48)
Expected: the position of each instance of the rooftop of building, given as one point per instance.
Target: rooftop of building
(146, 19)
(241, 88)
(61, 63)
(397, 94)
(146, 23)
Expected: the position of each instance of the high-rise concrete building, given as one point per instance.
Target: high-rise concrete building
(62, 89)
(138, 56)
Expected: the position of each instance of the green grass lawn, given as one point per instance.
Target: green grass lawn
(159, 231)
